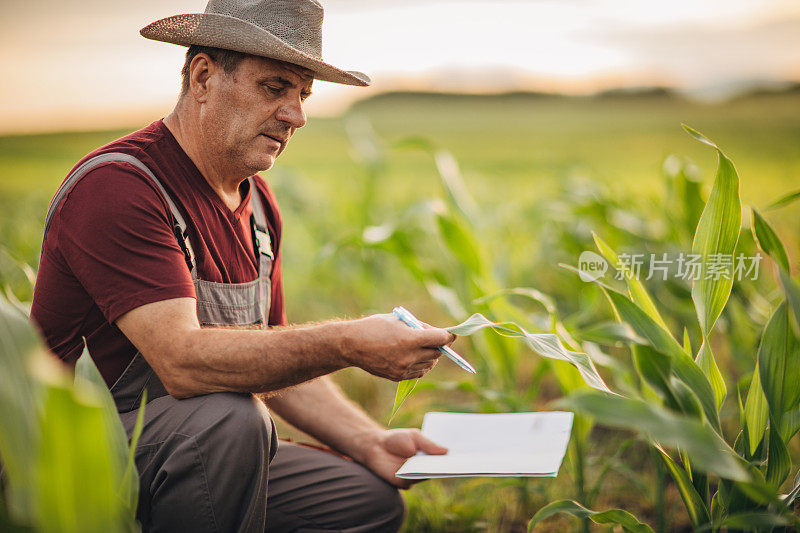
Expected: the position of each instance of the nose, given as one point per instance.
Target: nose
(292, 114)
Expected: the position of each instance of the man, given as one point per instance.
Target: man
(169, 229)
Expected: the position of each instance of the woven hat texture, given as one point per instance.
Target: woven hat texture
(287, 30)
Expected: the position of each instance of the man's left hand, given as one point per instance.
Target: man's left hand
(391, 449)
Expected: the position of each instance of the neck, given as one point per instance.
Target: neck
(187, 130)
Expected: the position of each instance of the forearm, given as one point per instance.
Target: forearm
(253, 360)
(191, 360)
(321, 409)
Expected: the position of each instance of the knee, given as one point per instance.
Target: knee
(387, 510)
(240, 426)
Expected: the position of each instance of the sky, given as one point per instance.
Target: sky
(81, 64)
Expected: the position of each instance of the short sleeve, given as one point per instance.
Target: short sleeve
(114, 233)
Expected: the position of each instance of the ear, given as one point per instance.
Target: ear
(201, 71)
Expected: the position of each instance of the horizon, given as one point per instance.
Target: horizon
(141, 117)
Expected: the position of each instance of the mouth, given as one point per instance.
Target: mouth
(280, 140)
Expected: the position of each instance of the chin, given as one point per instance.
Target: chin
(260, 164)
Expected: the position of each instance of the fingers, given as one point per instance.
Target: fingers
(435, 337)
(427, 445)
(403, 484)
(420, 368)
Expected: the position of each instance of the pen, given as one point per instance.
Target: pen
(411, 321)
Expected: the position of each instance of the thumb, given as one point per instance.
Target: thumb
(428, 446)
(435, 337)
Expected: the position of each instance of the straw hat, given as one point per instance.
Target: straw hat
(287, 30)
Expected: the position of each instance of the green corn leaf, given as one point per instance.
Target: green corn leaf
(695, 506)
(461, 241)
(778, 462)
(78, 494)
(699, 479)
(683, 365)
(611, 333)
(790, 425)
(624, 519)
(456, 191)
(21, 404)
(532, 294)
(545, 344)
(784, 200)
(705, 360)
(404, 390)
(687, 342)
(452, 181)
(756, 413)
(86, 374)
(699, 136)
(130, 476)
(707, 449)
(777, 360)
(715, 241)
(656, 369)
(659, 338)
(753, 521)
(768, 241)
(792, 496)
(636, 289)
(687, 400)
(792, 290)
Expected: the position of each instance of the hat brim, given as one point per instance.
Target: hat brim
(230, 33)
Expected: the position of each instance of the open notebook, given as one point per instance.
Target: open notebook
(507, 444)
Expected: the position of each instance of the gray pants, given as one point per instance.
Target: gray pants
(209, 463)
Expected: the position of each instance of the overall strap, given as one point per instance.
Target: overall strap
(262, 243)
(179, 227)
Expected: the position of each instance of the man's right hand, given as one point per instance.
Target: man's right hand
(386, 347)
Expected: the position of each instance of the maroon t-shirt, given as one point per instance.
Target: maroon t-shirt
(110, 247)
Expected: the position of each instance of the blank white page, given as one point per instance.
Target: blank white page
(506, 444)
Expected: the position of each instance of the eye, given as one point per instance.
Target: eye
(272, 89)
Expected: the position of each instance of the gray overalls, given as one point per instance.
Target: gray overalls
(205, 462)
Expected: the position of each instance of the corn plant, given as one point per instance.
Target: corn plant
(67, 461)
(723, 486)
(462, 276)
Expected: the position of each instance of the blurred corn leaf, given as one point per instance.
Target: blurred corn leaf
(778, 365)
(706, 448)
(786, 199)
(768, 241)
(20, 398)
(614, 517)
(61, 442)
(636, 289)
(128, 489)
(77, 493)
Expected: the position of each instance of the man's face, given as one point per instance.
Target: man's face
(251, 113)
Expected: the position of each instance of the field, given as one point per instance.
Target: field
(540, 173)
